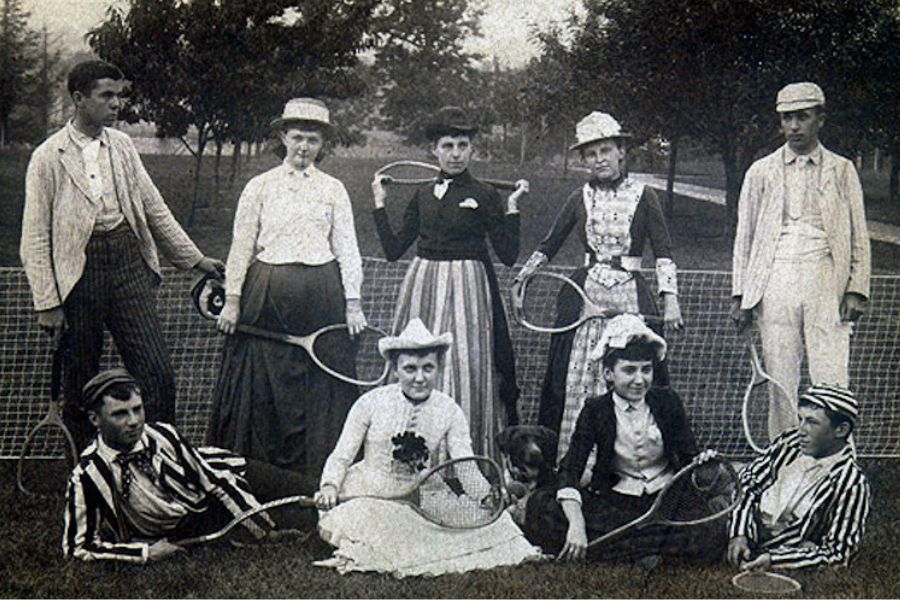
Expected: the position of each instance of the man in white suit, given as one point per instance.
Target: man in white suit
(801, 253)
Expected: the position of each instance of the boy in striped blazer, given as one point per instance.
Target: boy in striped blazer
(805, 500)
(140, 487)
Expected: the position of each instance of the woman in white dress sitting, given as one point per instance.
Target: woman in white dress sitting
(403, 428)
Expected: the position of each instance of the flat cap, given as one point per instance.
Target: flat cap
(798, 96)
(95, 388)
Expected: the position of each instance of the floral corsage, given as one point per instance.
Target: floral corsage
(410, 450)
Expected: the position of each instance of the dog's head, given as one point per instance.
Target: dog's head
(531, 451)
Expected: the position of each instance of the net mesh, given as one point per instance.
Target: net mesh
(708, 361)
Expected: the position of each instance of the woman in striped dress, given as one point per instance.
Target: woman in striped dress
(451, 285)
(615, 216)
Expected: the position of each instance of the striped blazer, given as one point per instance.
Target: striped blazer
(59, 213)
(840, 200)
(830, 533)
(94, 525)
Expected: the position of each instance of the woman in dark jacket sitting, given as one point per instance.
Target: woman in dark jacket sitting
(642, 437)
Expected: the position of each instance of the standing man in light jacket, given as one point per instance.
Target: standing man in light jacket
(801, 253)
(90, 229)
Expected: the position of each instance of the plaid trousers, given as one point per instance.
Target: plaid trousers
(117, 291)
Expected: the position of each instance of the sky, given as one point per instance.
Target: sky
(506, 24)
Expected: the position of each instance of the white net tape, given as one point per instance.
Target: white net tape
(708, 362)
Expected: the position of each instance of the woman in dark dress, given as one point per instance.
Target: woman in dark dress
(294, 267)
(451, 284)
(615, 217)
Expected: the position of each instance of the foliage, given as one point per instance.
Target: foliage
(19, 53)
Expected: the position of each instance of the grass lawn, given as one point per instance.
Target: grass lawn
(32, 566)
(695, 227)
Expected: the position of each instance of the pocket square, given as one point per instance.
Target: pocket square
(468, 203)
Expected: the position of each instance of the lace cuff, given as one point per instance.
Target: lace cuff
(666, 276)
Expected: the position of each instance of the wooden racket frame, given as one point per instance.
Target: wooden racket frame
(758, 376)
(501, 184)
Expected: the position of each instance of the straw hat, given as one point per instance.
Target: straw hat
(595, 127)
(303, 109)
(622, 330)
(414, 337)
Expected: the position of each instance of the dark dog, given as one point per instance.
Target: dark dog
(529, 461)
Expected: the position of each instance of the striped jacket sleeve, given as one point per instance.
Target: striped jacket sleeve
(82, 525)
(843, 534)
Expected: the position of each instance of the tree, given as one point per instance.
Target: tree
(710, 69)
(223, 68)
(18, 56)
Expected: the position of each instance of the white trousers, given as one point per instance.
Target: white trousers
(800, 305)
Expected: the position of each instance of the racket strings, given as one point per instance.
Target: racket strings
(707, 493)
(464, 494)
(46, 461)
(550, 302)
(764, 582)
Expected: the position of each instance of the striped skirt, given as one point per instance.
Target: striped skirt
(453, 295)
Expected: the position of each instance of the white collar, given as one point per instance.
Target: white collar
(624, 404)
(815, 156)
(291, 171)
(109, 454)
(81, 139)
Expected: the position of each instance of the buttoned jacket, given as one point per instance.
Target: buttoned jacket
(60, 212)
(839, 198)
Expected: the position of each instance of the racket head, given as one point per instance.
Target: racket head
(699, 493)
(761, 393)
(352, 359)
(249, 514)
(765, 582)
(463, 493)
(409, 172)
(540, 293)
(46, 460)
(208, 295)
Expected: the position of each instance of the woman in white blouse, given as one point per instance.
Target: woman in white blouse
(401, 429)
(294, 267)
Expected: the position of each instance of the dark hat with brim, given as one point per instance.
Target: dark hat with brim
(98, 385)
(449, 120)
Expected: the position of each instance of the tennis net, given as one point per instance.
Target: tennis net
(708, 361)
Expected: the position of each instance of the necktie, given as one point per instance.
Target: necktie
(141, 460)
(440, 188)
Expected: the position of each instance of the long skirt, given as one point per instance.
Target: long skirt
(271, 402)
(453, 295)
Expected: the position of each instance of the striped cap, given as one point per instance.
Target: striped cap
(838, 399)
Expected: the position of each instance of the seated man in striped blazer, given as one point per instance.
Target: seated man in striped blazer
(140, 487)
(805, 499)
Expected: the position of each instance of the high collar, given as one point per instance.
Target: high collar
(291, 170)
(815, 156)
(81, 139)
(624, 404)
(455, 180)
(607, 185)
(415, 402)
(109, 454)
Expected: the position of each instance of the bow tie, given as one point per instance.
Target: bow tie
(141, 461)
(440, 188)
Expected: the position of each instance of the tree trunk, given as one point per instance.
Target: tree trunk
(216, 168)
(565, 152)
(670, 180)
(894, 179)
(876, 159)
(2, 134)
(734, 178)
(198, 163)
(235, 163)
(523, 144)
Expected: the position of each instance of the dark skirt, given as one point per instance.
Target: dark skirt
(546, 526)
(271, 402)
(568, 309)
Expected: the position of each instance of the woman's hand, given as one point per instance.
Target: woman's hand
(522, 188)
(228, 318)
(672, 313)
(356, 320)
(326, 498)
(575, 547)
(378, 191)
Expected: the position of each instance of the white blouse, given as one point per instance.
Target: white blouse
(289, 216)
(374, 419)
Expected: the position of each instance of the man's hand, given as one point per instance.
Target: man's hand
(326, 498)
(852, 307)
(738, 550)
(672, 313)
(211, 265)
(162, 549)
(231, 312)
(356, 320)
(378, 191)
(742, 317)
(53, 321)
(760, 563)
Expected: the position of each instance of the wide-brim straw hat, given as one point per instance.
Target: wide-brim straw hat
(298, 110)
(624, 329)
(415, 336)
(595, 127)
(449, 120)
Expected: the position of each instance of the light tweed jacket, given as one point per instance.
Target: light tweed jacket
(59, 215)
(840, 198)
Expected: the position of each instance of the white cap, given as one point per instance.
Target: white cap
(798, 96)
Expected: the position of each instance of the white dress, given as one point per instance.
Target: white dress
(371, 534)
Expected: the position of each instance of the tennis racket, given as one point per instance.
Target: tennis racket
(462, 493)
(49, 454)
(327, 347)
(765, 582)
(762, 390)
(698, 493)
(534, 298)
(413, 172)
